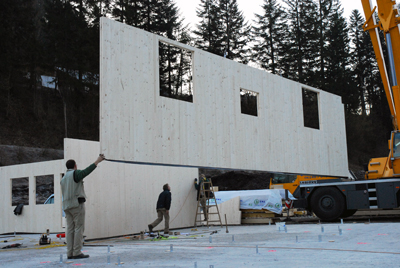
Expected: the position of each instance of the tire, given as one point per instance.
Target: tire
(348, 213)
(328, 203)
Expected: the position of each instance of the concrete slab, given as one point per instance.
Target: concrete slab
(359, 245)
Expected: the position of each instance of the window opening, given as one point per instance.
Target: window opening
(20, 191)
(310, 109)
(248, 102)
(175, 72)
(45, 189)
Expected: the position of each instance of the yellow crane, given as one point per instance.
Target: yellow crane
(331, 198)
(386, 167)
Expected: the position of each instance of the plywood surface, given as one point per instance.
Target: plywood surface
(34, 218)
(122, 197)
(139, 125)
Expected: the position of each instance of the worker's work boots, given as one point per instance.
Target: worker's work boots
(80, 256)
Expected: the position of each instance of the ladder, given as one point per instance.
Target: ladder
(206, 190)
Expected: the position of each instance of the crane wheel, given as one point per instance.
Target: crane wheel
(328, 203)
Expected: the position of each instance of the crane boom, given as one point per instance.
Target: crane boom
(387, 22)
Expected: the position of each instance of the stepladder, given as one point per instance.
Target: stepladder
(207, 211)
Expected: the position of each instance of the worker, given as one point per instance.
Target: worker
(163, 206)
(73, 204)
(203, 197)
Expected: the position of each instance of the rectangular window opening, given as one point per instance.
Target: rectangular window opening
(175, 72)
(20, 191)
(248, 102)
(44, 189)
(310, 109)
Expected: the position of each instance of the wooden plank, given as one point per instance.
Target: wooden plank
(377, 212)
(258, 215)
(258, 221)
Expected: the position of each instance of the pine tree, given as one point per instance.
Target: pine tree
(208, 32)
(323, 24)
(235, 31)
(335, 77)
(301, 48)
(268, 34)
(222, 29)
(362, 61)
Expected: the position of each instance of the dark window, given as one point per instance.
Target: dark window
(175, 70)
(44, 188)
(20, 191)
(248, 102)
(310, 109)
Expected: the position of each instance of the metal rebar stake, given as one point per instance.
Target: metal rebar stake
(210, 239)
(322, 229)
(233, 238)
(108, 259)
(61, 258)
(319, 238)
(171, 248)
(297, 239)
(226, 224)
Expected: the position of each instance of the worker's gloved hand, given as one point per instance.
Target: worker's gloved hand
(195, 180)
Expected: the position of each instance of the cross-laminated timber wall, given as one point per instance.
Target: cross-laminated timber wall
(137, 124)
(34, 218)
(121, 198)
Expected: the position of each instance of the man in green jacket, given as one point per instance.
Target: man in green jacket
(73, 204)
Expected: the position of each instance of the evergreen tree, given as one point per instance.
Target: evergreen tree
(362, 61)
(20, 53)
(73, 51)
(222, 29)
(336, 72)
(209, 30)
(235, 31)
(301, 48)
(268, 33)
(323, 24)
(368, 120)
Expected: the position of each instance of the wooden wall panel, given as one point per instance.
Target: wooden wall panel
(231, 209)
(122, 197)
(140, 126)
(34, 218)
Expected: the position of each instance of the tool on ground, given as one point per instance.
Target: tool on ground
(17, 245)
(44, 239)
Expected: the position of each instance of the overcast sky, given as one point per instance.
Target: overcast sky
(249, 7)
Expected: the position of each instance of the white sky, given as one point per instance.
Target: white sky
(249, 7)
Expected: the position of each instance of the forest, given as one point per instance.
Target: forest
(49, 67)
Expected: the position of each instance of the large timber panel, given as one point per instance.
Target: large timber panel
(35, 218)
(139, 125)
(121, 198)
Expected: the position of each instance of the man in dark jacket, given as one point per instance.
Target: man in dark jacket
(163, 205)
